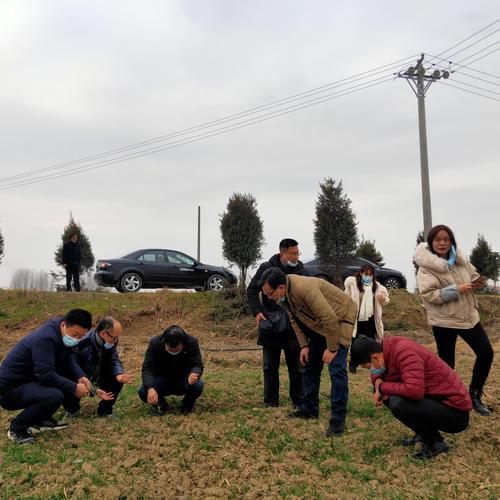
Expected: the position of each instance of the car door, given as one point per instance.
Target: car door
(154, 267)
(185, 271)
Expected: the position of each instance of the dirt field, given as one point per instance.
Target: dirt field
(232, 446)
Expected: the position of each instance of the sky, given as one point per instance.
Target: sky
(86, 77)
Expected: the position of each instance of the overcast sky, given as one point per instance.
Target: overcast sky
(82, 78)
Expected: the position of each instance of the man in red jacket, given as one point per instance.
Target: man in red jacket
(419, 388)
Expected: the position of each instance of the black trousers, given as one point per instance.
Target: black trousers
(478, 341)
(108, 383)
(72, 273)
(271, 364)
(426, 417)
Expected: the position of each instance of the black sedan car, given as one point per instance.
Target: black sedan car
(390, 278)
(157, 268)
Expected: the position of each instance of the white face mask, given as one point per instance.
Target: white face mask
(172, 353)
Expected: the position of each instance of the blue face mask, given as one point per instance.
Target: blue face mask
(377, 371)
(70, 341)
(281, 300)
(453, 256)
(367, 280)
(291, 264)
(107, 345)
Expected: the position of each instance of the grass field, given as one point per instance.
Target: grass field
(232, 447)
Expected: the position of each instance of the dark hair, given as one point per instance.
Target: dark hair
(362, 350)
(434, 231)
(287, 243)
(79, 317)
(174, 335)
(273, 276)
(362, 269)
(105, 324)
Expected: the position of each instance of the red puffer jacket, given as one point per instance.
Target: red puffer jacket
(414, 372)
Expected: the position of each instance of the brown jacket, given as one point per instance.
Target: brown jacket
(434, 278)
(322, 307)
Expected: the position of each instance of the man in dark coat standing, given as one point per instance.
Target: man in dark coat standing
(97, 357)
(172, 365)
(275, 331)
(40, 372)
(419, 388)
(71, 257)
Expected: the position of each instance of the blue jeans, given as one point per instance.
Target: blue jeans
(166, 387)
(339, 392)
(37, 401)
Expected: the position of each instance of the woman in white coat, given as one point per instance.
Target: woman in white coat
(446, 281)
(370, 296)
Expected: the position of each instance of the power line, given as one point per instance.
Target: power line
(213, 123)
(476, 87)
(479, 52)
(469, 91)
(467, 66)
(188, 140)
(462, 72)
(474, 43)
(468, 38)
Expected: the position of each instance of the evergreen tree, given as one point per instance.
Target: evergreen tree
(242, 233)
(74, 227)
(367, 250)
(335, 232)
(1, 247)
(484, 259)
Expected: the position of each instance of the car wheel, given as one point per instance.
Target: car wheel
(130, 282)
(118, 288)
(392, 282)
(215, 283)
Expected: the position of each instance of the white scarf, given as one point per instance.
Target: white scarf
(366, 306)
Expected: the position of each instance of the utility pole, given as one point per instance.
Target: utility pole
(199, 224)
(419, 82)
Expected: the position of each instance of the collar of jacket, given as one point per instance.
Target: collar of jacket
(428, 260)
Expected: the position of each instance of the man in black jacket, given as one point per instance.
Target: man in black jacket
(97, 357)
(71, 257)
(172, 365)
(40, 372)
(275, 331)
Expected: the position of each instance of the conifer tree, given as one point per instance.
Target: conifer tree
(335, 232)
(367, 250)
(484, 259)
(242, 233)
(73, 227)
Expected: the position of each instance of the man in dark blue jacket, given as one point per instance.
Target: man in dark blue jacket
(275, 331)
(71, 257)
(172, 365)
(31, 375)
(97, 357)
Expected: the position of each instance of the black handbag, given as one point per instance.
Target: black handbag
(276, 322)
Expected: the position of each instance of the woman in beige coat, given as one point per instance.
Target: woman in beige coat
(446, 280)
(370, 296)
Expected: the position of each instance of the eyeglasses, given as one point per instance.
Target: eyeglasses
(114, 337)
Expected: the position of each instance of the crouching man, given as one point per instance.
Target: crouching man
(97, 357)
(40, 372)
(419, 388)
(172, 365)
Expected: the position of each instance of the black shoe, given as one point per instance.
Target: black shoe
(352, 369)
(271, 405)
(431, 450)
(300, 413)
(478, 405)
(412, 441)
(187, 409)
(21, 437)
(47, 425)
(335, 429)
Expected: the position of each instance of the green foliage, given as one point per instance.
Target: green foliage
(242, 233)
(367, 250)
(484, 259)
(1, 246)
(335, 232)
(74, 227)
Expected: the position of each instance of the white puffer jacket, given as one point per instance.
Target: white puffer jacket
(351, 289)
(437, 284)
